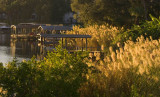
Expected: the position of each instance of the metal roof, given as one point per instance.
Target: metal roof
(64, 36)
(46, 27)
(4, 26)
(27, 26)
(55, 27)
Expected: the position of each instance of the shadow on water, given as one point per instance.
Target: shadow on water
(21, 49)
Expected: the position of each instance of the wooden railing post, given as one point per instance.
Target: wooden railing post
(86, 44)
(82, 44)
(62, 42)
(66, 43)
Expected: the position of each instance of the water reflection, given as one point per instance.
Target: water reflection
(24, 48)
(21, 49)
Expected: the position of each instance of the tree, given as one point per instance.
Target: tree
(101, 11)
(141, 9)
(115, 12)
(48, 11)
(59, 8)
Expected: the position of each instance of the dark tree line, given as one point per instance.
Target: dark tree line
(116, 12)
(46, 11)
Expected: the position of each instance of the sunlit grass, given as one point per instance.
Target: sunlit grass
(2, 92)
(129, 71)
(102, 36)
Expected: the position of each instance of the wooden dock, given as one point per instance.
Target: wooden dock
(23, 36)
(64, 36)
(44, 37)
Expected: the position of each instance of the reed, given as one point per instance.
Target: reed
(129, 71)
(102, 35)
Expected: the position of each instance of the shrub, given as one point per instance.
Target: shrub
(102, 36)
(146, 29)
(133, 70)
(58, 75)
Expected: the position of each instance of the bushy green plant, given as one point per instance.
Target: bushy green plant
(65, 72)
(58, 75)
(147, 29)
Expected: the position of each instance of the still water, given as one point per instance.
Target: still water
(19, 49)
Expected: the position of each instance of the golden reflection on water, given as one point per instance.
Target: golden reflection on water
(21, 49)
(27, 49)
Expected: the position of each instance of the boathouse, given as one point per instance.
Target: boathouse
(64, 38)
(25, 28)
(53, 29)
(4, 28)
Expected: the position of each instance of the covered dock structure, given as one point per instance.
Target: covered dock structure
(64, 38)
(53, 29)
(25, 30)
(5, 28)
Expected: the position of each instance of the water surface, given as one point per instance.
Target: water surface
(19, 49)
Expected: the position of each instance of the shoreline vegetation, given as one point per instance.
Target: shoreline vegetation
(130, 67)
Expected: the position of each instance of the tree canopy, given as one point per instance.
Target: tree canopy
(116, 12)
(47, 11)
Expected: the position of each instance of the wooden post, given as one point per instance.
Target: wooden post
(41, 38)
(76, 44)
(62, 42)
(44, 39)
(82, 44)
(66, 43)
(54, 42)
(86, 44)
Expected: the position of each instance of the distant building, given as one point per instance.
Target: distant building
(68, 18)
(34, 16)
(3, 16)
(4, 28)
(25, 28)
(53, 29)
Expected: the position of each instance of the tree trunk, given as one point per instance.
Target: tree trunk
(145, 9)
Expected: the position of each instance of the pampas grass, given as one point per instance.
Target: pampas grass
(129, 71)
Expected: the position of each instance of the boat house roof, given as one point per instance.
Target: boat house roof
(55, 27)
(64, 36)
(27, 25)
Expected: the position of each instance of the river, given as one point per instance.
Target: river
(19, 49)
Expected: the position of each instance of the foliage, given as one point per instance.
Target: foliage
(100, 11)
(58, 9)
(147, 29)
(116, 12)
(103, 36)
(131, 71)
(59, 74)
(22, 10)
